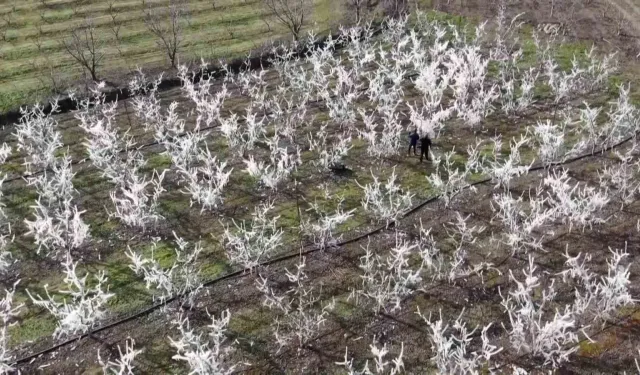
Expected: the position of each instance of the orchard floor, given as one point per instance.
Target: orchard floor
(334, 271)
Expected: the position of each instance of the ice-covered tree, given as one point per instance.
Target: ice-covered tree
(204, 355)
(529, 329)
(8, 311)
(182, 278)
(85, 305)
(452, 346)
(322, 229)
(205, 183)
(385, 202)
(250, 243)
(300, 312)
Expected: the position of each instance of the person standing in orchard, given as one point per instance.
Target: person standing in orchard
(413, 141)
(425, 145)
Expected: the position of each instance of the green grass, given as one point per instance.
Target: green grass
(132, 294)
(157, 162)
(566, 52)
(31, 328)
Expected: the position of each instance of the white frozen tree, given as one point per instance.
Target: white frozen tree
(103, 142)
(281, 164)
(5, 226)
(386, 280)
(133, 203)
(181, 279)
(550, 139)
(38, 137)
(251, 243)
(572, 204)
(7, 312)
(207, 104)
(57, 224)
(463, 236)
(529, 331)
(300, 317)
(385, 202)
(522, 220)
(204, 355)
(598, 298)
(455, 177)
(57, 230)
(206, 182)
(386, 141)
(322, 229)
(382, 365)
(85, 306)
(330, 152)
(502, 170)
(451, 346)
(146, 104)
(622, 176)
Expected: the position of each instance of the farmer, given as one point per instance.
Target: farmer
(413, 141)
(425, 144)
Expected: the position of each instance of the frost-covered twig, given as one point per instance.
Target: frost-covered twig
(123, 365)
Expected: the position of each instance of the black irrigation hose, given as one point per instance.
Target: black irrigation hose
(246, 271)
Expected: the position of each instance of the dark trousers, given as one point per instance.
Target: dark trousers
(413, 145)
(424, 151)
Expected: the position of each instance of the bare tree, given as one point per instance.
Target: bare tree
(361, 8)
(621, 22)
(167, 24)
(115, 26)
(7, 21)
(75, 8)
(43, 15)
(293, 14)
(86, 47)
(395, 8)
(115, 23)
(48, 75)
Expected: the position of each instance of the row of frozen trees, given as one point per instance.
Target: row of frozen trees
(450, 68)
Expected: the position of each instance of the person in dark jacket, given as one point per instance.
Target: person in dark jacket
(413, 141)
(425, 145)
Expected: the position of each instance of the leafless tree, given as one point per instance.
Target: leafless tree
(115, 26)
(361, 8)
(75, 8)
(50, 78)
(7, 21)
(86, 47)
(621, 22)
(293, 14)
(47, 73)
(167, 24)
(395, 8)
(115, 23)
